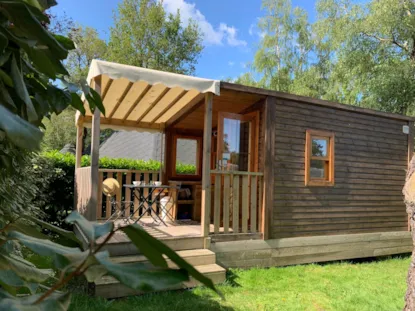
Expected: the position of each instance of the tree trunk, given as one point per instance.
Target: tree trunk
(409, 193)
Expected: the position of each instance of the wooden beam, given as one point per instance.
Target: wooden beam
(410, 154)
(410, 141)
(91, 213)
(184, 113)
(78, 150)
(269, 160)
(311, 101)
(206, 182)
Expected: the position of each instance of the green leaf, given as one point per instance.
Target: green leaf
(4, 57)
(84, 225)
(5, 97)
(21, 133)
(10, 278)
(26, 229)
(21, 90)
(42, 247)
(59, 99)
(97, 100)
(95, 272)
(27, 272)
(3, 43)
(6, 78)
(56, 302)
(65, 42)
(153, 249)
(41, 5)
(103, 229)
(145, 243)
(140, 276)
(62, 232)
(77, 103)
(26, 21)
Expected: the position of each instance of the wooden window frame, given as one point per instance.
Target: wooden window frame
(329, 136)
(253, 118)
(198, 174)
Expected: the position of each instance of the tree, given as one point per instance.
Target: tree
(88, 47)
(286, 47)
(373, 52)
(59, 130)
(144, 35)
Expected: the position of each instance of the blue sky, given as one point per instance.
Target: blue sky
(229, 27)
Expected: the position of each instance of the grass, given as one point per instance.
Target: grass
(377, 285)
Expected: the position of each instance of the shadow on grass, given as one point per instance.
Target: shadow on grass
(231, 278)
(366, 259)
(178, 300)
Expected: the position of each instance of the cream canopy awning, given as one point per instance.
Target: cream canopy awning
(136, 97)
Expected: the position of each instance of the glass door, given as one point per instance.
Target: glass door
(237, 142)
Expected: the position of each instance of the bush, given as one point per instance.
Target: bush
(53, 174)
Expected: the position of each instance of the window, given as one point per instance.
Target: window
(319, 158)
(186, 156)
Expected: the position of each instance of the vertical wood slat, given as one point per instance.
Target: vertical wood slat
(118, 195)
(99, 205)
(146, 181)
(254, 190)
(245, 203)
(216, 203)
(226, 201)
(136, 203)
(108, 199)
(260, 181)
(127, 194)
(235, 204)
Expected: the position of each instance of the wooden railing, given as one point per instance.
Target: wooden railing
(82, 188)
(236, 202)
(124, 195)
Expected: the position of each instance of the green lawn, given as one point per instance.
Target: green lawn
(377, 285)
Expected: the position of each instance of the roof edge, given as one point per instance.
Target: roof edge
(313, 101)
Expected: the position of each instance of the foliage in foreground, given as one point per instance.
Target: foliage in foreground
(71, 262)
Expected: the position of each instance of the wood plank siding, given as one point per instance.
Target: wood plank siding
(371, 153)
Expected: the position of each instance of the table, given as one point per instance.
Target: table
(139, 194)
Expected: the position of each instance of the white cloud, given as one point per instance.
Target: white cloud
(223, 34)
(254, 30)
(230, 63)
(251, 29)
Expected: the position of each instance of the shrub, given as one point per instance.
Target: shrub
(53, 175)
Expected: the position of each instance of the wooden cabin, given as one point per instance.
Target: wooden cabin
(279, 179)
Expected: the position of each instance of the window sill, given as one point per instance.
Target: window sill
(319, 183)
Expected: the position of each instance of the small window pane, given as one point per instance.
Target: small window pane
(319, 147)
(318, 169)
(186, 156)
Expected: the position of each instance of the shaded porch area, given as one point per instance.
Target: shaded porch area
(216, 190)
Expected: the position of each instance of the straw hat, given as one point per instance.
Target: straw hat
(110, 186)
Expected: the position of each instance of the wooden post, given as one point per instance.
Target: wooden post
(410, 141)
(269, 159)
(410, 153)
(91, 213)
(79, 143)
(78, 156)
(206, 182)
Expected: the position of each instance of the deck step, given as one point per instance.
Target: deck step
(196, 257)
(178, 244)
(202, 259)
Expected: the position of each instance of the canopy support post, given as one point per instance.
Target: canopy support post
(206, 181)
(91, 212)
